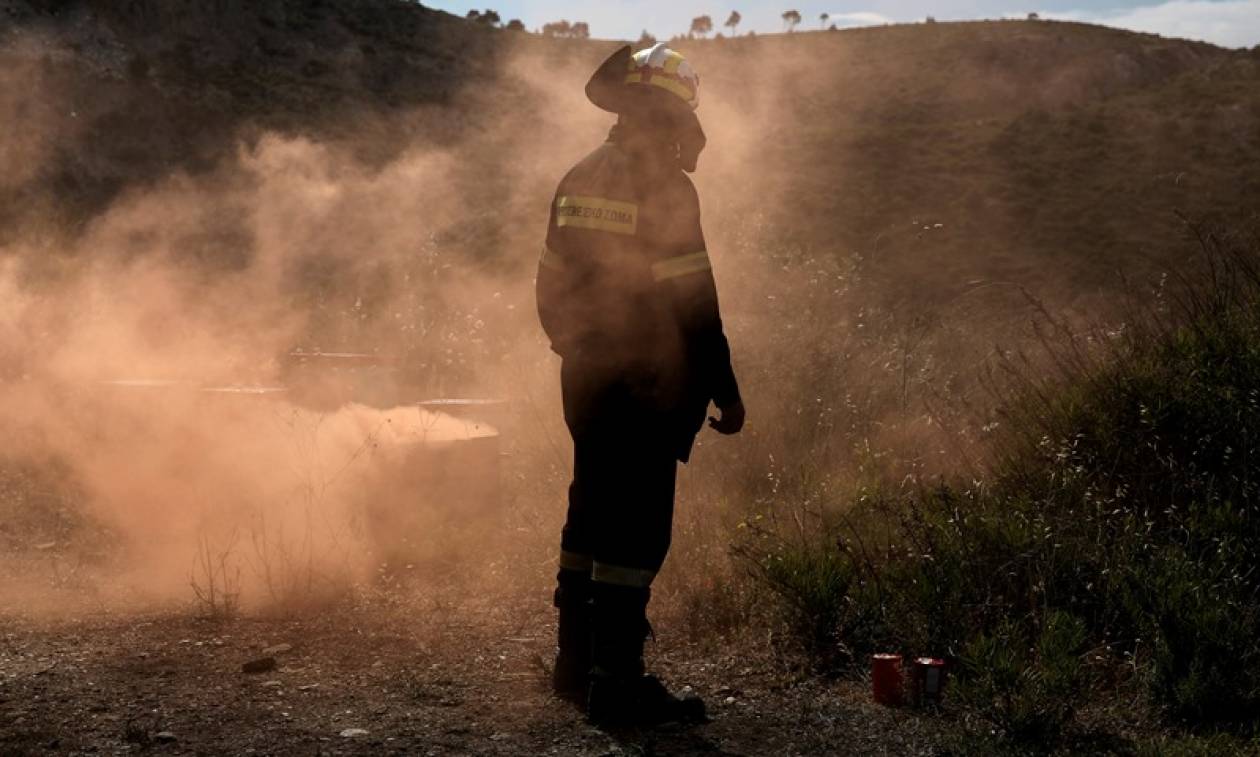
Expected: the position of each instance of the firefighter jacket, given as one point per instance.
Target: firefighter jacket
(625, 284)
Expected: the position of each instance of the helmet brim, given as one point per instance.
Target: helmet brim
(608, 90)
(607, 87)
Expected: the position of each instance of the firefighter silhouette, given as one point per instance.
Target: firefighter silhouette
(627, 298)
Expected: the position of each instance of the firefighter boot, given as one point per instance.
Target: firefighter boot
(571, 674)
(621, 696)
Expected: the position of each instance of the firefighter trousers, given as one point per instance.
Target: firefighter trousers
(621, 506)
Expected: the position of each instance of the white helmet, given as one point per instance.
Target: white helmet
(629, 81)
(658, 66)
(656, 80)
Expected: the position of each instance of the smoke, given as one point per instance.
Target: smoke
(177, 354)
(140, 346)
(115, 337)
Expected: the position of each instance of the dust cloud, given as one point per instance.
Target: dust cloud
(226, 364)
(196, 356)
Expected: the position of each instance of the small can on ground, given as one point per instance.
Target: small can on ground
(927, 681)
(887, 685)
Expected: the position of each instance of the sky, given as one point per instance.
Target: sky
(1229, 23)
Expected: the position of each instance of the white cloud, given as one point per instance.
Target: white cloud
(845, 20)
(1232, 23)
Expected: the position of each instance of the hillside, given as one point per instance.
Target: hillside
(379, 173)
(1049, 153)
(110, 95)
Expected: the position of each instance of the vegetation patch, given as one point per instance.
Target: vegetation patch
(1110, 543)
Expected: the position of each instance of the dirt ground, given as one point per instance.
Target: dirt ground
(405, 674)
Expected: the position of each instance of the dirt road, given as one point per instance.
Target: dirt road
(413, 676)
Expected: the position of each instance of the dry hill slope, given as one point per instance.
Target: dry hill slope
(112, 94)
(932, 171)
(1048, 152)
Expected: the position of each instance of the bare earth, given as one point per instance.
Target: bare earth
(416, 676)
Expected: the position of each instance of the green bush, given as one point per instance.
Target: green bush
(822, 596)
(1120, 511)
(1205, 632)
(1026, 686)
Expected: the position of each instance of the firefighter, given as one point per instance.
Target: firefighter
(626, 296)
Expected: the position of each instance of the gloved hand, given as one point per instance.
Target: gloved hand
(731, 421)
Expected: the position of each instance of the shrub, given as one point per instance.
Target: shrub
(1118, 510)
(1204, 624)
(1026, 686)
(818, 585)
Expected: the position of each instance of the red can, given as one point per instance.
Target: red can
(886, 679)
(927, 681)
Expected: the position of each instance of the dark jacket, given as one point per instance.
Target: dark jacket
(625, 285)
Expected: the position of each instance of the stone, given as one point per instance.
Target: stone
(261, 665)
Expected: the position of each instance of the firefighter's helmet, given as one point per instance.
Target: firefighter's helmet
(653, 77)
